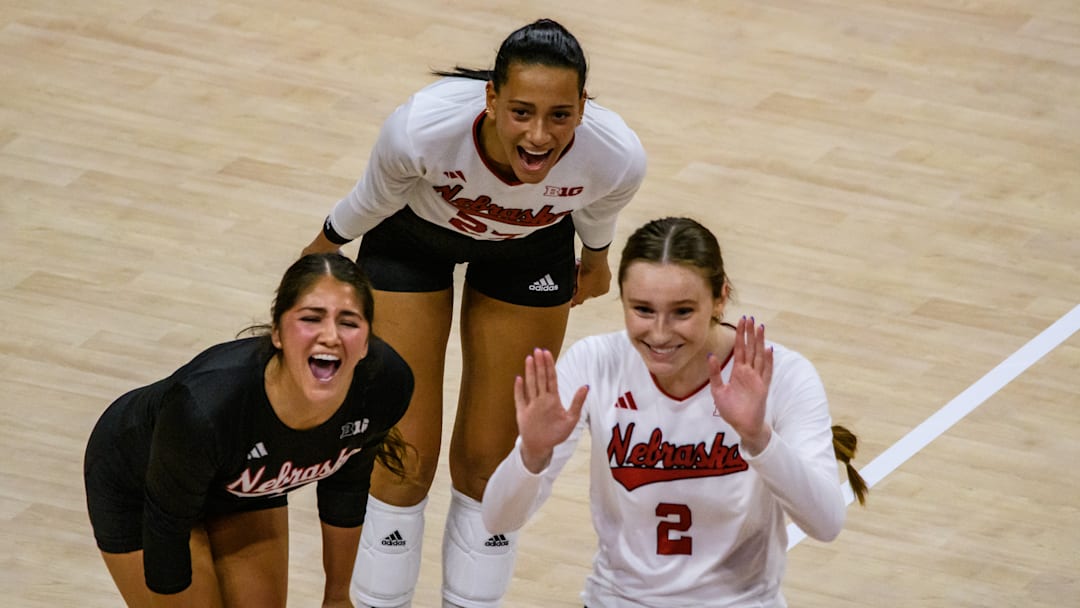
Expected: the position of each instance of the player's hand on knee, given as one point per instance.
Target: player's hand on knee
(542, 420)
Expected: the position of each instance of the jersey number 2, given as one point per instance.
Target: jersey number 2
(676, 519)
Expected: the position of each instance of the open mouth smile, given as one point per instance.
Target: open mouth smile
(324, 366)
(531, 160)
(661, 351)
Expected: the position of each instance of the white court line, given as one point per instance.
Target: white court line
(961, 406)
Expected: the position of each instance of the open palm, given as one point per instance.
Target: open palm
(543, 422)
(741, 400)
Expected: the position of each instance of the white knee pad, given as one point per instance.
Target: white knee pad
(477, 565)
(388, 559)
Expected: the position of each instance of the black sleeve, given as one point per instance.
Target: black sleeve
(343, 496)
(178, 477)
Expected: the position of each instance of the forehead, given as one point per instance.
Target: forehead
(664, 282)
(329, 292)
(536, 83)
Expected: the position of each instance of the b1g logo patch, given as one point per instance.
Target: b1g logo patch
(353, 428)
(563, 190)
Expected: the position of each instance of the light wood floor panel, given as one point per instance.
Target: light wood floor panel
(896, 184)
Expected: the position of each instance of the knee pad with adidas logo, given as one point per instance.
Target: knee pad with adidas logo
(477, 565)
(388, 558)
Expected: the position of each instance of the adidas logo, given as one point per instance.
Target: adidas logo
(498, 540)
(626, 402)
(257, 452)
(394, 539)
(544, 284)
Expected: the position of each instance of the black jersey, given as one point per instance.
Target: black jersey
(206, 441)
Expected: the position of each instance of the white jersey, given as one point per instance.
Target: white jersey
(427, 157)
(683, 516)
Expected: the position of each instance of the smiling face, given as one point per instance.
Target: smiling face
(669, 311)
(531, 119)
(321, 338)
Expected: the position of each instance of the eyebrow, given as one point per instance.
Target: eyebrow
(533, 105)
(321, 310)
(675, 303)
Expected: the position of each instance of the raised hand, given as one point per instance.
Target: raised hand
(741, 400)
(542, 420)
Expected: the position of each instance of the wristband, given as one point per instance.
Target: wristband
(331, 234)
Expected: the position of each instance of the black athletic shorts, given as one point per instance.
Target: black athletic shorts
(410, 254)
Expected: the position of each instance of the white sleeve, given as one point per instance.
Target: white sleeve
(514, 493)
(595, 222)
(799, 463)
(392, 169)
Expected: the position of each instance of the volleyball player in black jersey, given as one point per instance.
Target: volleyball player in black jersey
(186, 478)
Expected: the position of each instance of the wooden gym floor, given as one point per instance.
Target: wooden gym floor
(896, 184)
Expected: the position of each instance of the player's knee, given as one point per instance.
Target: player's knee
(388, 558)
(410, 489)
(422, 470)
(470, 469)
(477, 565)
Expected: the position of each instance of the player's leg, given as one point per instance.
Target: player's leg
(496, 337)
(127, 572)
(516, 298)
(413, 283)
(512, 303)
(417, 326)
(251, 556)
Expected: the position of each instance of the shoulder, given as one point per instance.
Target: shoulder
(604, 134)
(446, 107)
(451, 90)
(384, 377)
(226, 358)
(609, 129)
(608, 126)
(788, 361)
(598, 352)
(385, 362)
(224, 371)
(794, 377)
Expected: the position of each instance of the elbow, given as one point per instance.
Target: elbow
(828, 528)
(829, 533)
(825, 521)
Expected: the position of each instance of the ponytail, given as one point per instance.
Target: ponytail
(844, 445)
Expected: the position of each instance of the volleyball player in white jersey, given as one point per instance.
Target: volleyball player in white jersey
(498, 170)
(704, 436)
